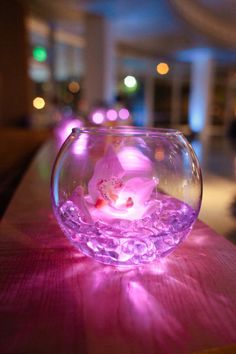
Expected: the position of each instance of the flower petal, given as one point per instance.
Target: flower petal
(134, 161)
(106, 167)
(139, 188)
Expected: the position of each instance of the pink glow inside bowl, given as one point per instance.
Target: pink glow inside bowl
(131, 196)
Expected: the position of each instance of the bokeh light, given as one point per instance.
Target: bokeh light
(38, 103)
(123, 113)
(64, 128)
(162, 68)
(130, 81)
(159, 154)
(40, 54)
(112, 114)
(98, 117)
(74, 87)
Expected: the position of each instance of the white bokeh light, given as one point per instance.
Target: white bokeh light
(130, 81)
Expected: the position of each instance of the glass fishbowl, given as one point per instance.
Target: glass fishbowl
(126, 195)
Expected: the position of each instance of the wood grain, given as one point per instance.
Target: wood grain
(55, 300)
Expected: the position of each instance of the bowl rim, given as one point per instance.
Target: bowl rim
(127, 131)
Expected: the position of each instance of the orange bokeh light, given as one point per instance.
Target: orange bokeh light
(38, 103)
(162, 68)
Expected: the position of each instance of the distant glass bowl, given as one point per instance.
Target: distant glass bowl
(126, 195)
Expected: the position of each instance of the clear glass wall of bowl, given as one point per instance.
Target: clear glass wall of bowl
(126, 195)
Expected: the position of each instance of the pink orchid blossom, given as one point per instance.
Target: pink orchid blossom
(115, 193)
(134, 162)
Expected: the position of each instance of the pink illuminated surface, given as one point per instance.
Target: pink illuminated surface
(56, 300)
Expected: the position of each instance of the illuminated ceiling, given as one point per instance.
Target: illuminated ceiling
(153, 27)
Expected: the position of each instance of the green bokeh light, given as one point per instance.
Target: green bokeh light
(40, 54)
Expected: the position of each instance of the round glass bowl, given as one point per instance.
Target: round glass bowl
(126, 195)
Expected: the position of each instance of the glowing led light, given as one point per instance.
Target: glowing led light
(130, 81)
(39, 54)
(74, 87)
(38, 103)
(98, 117)
(163, 68)
(123, 113)
(112, 114)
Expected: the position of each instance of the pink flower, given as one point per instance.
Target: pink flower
(114, 192)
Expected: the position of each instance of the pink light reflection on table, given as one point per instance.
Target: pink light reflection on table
(156, 307)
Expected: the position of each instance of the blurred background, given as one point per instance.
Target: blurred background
(161, 63)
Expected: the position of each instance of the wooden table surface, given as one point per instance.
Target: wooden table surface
(55, 300)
